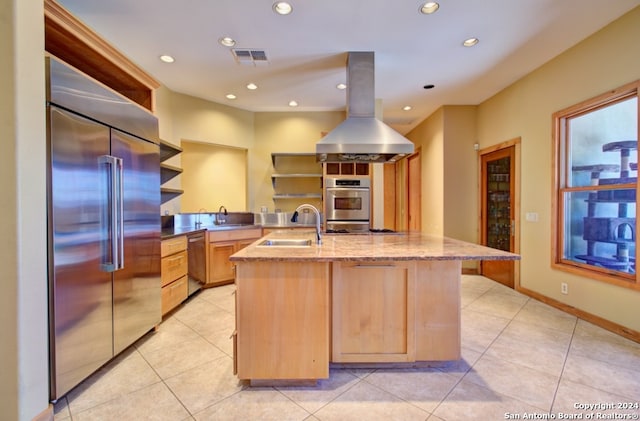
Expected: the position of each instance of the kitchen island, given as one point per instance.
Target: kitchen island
(355, 299)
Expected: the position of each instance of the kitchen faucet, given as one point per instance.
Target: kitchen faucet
(198, 216)
(294, 218)
(219, 220)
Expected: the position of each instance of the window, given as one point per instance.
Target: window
(596, 173)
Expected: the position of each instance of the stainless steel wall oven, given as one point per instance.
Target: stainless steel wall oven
(347, 204)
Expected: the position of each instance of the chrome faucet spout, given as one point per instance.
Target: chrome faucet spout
(219, 219)
(199, 215)
(317, 212)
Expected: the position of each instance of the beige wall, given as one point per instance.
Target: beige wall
(428, 136)
(23, 296)
(213, 176)
(186, 118)
(183, 117)
(460, 184)
(449, 173)
(604, 61)
(283, 132)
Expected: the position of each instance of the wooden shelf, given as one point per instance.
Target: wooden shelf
(301, 166)
(167, 172)
(296, 175)
(298, 196)
(168, 150)
(168, 194)
(276, 155)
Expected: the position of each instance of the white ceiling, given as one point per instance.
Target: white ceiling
(307, 49)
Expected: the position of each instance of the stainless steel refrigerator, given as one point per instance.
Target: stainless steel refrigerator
(103, 224)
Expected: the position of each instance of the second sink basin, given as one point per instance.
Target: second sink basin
(286, 242)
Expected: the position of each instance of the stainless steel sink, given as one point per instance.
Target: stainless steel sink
(285, 242)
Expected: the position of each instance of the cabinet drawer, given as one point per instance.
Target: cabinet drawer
(173, 267)
(239, 234)
(173, 294)
(173, 245)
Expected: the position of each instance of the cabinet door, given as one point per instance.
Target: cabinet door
(220, 268)
(244, 243)
(373, 312)
(282, 320)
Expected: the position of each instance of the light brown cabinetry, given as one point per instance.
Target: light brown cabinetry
(282, 320)
(220, 246)
(346, 168)
(174, 265)
(396, 311)
(373, 312)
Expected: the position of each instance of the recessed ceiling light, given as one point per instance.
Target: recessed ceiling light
(252, 86)
(167, 58)
(341, 86)
(470, 42)
(230, 96)
(227, 41)
(282, 8)
(407, 108)
(429, 7)
(293, 103)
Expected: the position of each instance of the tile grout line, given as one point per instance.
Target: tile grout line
(480, 357)
(564, 363)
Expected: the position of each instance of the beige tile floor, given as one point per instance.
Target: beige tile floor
(521, 360)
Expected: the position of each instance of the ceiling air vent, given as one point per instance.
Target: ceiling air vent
(249, 56)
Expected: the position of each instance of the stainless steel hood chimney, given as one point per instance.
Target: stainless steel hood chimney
(362, 137)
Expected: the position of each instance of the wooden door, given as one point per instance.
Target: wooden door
(390, 199)
(414, 196)
(498, 205)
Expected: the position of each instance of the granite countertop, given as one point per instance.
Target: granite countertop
(369, 247)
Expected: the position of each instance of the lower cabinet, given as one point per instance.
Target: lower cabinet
(282, 320)
(174, 265)
(396, 311)
(220, 246)
(373, 312)
(174, 293)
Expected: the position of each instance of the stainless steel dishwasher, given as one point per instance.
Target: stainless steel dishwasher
(197, 270)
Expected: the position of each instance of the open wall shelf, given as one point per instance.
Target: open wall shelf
(168, 172)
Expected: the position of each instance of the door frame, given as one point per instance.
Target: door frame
(413, 215)
(515, 143)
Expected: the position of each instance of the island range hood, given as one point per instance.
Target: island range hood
(362, 137)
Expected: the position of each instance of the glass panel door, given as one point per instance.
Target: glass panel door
(498, 187)
(498, 218)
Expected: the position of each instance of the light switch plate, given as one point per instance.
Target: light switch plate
(531, 216)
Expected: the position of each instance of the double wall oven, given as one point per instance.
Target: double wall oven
(347, 204)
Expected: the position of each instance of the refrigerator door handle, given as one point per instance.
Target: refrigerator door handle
(119, 216)
(113, 255)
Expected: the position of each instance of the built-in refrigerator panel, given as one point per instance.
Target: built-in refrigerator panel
(104, 224)
(82, 323)
(135, 289)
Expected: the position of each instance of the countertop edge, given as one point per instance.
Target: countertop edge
(371, 248)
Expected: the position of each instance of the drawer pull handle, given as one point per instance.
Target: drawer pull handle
(374, 266)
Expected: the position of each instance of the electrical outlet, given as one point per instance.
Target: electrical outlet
(564, 288)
